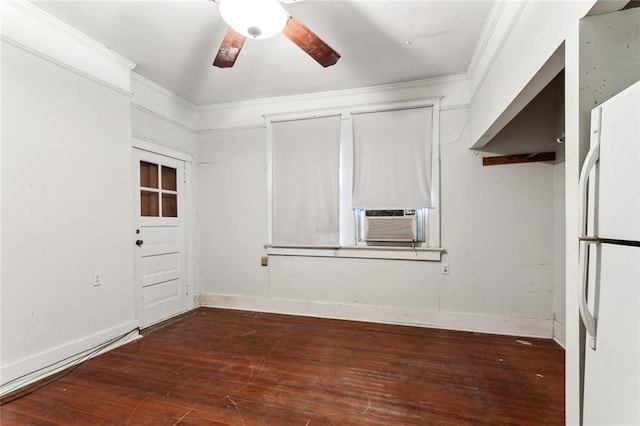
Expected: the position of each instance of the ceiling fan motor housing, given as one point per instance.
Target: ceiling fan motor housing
(254, 32)
(254, 18)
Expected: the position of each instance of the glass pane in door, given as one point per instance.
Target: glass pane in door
(148, 175)
(169, 205)
(149, 203)
(169, 178)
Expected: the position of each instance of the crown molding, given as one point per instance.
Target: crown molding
(485, 35)
(165, 92)
(66, 30)
(410, 85)
(499, 13)
(163, 117)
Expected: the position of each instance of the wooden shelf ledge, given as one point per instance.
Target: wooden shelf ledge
(518, 158)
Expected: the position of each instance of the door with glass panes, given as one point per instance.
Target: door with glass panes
(159, 237)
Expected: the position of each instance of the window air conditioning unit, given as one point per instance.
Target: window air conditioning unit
(390, 226)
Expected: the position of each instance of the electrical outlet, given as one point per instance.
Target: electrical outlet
(445, 269)
(97, 279)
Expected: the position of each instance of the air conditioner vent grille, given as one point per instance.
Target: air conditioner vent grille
(390, 228)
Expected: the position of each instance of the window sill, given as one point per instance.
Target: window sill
(429, 254)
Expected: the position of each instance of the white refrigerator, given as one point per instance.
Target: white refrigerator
(610, 263)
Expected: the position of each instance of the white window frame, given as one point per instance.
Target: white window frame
(431, 250)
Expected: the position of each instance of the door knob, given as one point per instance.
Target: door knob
(139, 243)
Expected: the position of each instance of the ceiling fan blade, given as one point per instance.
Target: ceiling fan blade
(229, 49)
(306, 40)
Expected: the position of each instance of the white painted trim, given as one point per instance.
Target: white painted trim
(418, 254)
(511, 326)
(190, 223)
(559, 334)
(269, 178)
(454, 107)
(61, 64)
(230, 129)
(485, 35)
(349, 109)
(433, 237)
(372, 90)
(347, 227)
(68, 31)
(163, 117)
(161, 150)
(494, 54)
(29, 370)
(168, 93)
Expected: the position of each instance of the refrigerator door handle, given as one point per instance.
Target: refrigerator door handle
(590, 161)
(587, 318)
(585, 240)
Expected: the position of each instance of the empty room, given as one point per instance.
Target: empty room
(274, 212)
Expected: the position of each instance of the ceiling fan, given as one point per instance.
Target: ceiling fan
(263, 19)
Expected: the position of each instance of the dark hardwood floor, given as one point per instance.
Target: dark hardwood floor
(214, 366)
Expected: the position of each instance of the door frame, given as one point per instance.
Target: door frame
(189, 221)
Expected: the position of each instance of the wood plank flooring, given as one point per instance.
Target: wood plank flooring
(223, 367)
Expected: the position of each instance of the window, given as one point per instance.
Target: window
(392, 175)
(362, 181)
(306, 158)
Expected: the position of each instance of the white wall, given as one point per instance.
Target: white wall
(66, 212)
(497, 229)
(69, 112)
(232, 213)
(536, 127)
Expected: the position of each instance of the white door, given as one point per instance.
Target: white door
(159, 236)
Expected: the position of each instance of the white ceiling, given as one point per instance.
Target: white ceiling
(173, 44)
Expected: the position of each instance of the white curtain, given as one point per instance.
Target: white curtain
(305, 186)
(392, 159)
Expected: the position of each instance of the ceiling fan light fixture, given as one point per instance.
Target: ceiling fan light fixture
(254, 18)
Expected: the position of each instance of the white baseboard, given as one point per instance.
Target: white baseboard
(37, 367)
(511, 326)
(560, 334)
